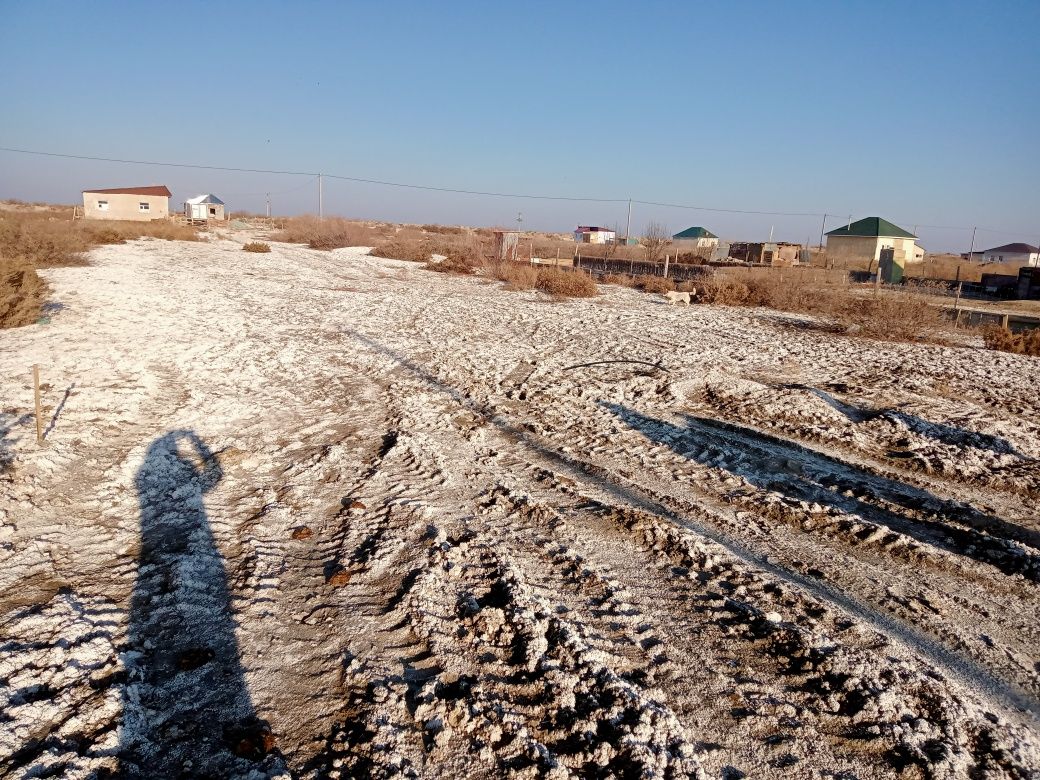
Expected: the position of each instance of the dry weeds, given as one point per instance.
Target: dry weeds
(21, 293)
(415, 250)
(257, 246)
(517, 276)
(328, 233)
(1002, 339)
(565, 284)
(656, 284)
(48, 237)
(622, 280)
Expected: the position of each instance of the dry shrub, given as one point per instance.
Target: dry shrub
(723, 291)
(415, 250)
(257, 246)
(107, 235)
(902, 315)
(328, 233)
(565, 284)
(161, 229)
(21, 293)
(690, 287)
(656, 284)
(42, 242)
(622, 280)
(773, 292)
(444, 230)
(452, 265)
(517, 276)
(1002, 339)
(462, 255)
(48, 238)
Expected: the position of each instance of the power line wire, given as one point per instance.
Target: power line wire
(457, 191)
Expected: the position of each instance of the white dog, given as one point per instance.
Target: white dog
(679, 297)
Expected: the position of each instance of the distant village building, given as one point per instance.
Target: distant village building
(866, 239)
(206, 207)
(1019, 254)
(779, 253)
(695, 238)
(141, 204)
(590, 234)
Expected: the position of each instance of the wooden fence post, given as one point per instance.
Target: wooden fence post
(39, 410)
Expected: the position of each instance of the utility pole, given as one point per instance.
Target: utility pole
(321, 200)
(269, 205)
(972, 250)
(519, 222)
(823, 226)
(628, 227)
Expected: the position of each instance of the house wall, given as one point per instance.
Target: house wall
(201, 211)
(1021, 258)
(869, 248)
(689, 244)
(595, 237)
(125, 207)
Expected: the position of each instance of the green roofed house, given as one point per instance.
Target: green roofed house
(875, 241)
(696, 238)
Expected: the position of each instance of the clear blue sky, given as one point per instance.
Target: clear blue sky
(924, 113)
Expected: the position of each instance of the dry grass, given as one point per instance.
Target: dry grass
(723, 290)
(328, 233)
(656, 284)
(553, 281)
(517, 276)
(48, 237)
(1002, 339)
(21, 293)
(257, 246)
(901, 314)
(415, 250)
(896, 315)
(622, 280)
(565, 284)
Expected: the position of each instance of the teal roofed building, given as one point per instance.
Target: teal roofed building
(696, 239)
(870, 240)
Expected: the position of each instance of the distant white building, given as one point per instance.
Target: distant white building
(590, 234)
(205, 207)
(1019, 254)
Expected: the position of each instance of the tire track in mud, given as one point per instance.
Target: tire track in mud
(704, 519)
(524, 448)
(1007, 694)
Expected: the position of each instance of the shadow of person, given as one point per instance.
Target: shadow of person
(186, 709)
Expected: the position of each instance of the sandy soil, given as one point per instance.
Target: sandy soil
(314, 514)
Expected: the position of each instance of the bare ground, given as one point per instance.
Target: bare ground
(315, 514)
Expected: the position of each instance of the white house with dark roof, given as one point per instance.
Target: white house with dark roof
(1018, 253)
(591, 234)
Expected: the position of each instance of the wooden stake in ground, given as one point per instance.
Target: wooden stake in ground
(39, 410)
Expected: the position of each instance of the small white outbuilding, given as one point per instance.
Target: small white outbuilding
(205, 208)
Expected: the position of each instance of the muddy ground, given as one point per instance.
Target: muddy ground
(315, 514)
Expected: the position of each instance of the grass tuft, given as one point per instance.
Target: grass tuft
(257, 246)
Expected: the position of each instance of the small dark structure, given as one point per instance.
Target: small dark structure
(1029, 284)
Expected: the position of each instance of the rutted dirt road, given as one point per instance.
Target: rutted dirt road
(325, 515)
